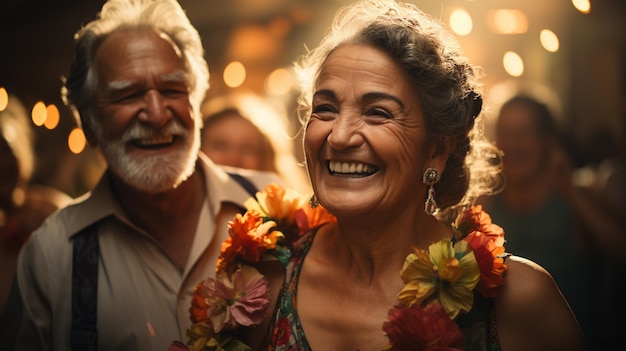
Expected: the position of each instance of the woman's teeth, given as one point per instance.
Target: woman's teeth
(350, 167)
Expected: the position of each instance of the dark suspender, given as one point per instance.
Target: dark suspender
(245, 183)
(84, 334)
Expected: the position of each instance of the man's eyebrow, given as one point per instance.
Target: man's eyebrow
(178, 76)
(119, 85)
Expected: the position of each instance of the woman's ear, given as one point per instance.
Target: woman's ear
(441, 149)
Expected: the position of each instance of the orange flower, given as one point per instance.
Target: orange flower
(309, 218)
(486, 241)
(490, 261)
(475, 219)
(249, 239)
(199, 304)
(289, 210)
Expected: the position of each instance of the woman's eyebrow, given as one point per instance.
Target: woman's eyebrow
(385, 96)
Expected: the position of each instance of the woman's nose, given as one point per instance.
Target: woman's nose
(345, 132)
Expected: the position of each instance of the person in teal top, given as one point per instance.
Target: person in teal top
(536, 206)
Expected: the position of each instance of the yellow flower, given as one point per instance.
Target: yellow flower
(277, 203)
(418, 273)
(445, 274)
(198, 335)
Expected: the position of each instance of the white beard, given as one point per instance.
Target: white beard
(158, 173)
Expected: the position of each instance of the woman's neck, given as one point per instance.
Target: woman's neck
(372, 248)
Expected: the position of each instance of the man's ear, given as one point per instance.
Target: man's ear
(89, 134)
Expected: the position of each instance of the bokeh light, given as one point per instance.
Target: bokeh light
(583, 6)
(513, 64)
(39, 113)
(279, 82)
(461, 22)
(549, 40)
(507, 21)
(52, 117)
(76, 141)
(4, 99)
(234, 74)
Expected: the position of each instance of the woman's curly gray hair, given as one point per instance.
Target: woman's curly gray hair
(446, 84)
(164, 16)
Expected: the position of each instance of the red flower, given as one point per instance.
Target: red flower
(475, 219)
(281, 333)
(491, 266)
(422, 329)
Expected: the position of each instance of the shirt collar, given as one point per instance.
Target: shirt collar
(101, 203)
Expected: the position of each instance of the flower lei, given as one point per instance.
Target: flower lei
(440, 284)
(439, 281)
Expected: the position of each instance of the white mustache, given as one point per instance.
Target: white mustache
(140, 131)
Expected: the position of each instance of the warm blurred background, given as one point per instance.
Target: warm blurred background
(572, 51)
(569, 53)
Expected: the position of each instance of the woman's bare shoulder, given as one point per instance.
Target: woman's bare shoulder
(532, 313)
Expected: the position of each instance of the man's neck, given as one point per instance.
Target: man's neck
(170, 217)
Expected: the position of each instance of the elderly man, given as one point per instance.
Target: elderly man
(116, 269)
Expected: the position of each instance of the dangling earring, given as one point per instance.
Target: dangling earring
(313, 201)
(430, 177)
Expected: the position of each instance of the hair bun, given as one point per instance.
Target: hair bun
(476, 103)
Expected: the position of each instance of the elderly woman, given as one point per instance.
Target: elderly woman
(394, 155)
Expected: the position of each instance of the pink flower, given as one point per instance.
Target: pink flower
(241, 299)
(177, 346)
(422, 329)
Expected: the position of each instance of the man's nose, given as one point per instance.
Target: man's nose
(155, 110)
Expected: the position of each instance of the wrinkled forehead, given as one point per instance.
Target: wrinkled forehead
(129, 40)
(139, 51)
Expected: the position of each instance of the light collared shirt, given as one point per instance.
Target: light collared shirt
(143, 299)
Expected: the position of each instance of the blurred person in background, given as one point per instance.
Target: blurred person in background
(244, 130)
(23, 205)
(548, 218)
(116, 269)
(603, 181)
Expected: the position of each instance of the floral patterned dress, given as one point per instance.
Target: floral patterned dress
(286, 333)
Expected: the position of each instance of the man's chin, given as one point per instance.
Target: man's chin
(154, 189)
(155, 174)
(158, 181)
